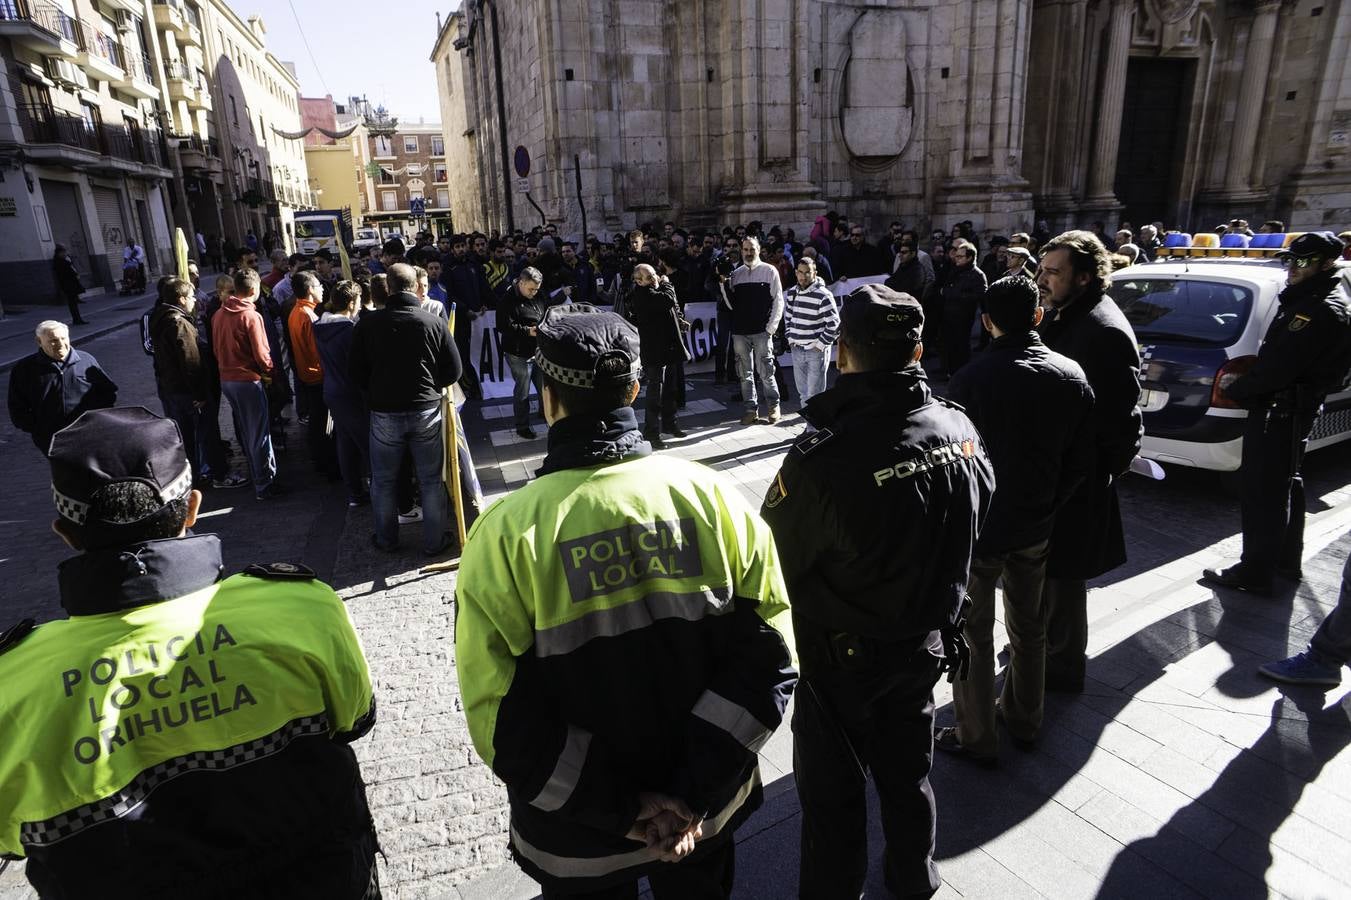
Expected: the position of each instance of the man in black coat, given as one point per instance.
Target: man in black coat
(467, 287)
(1085, 325)
(519, 313)
(962, 295)
(653, 308)
(1304, 356)
(857, 258)
(1033, 409)
(51, 388)
(875, 515)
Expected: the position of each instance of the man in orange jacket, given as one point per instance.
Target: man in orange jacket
(309, 293)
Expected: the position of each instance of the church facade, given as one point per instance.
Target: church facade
(1003, 112)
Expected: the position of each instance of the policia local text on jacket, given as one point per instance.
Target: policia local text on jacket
(615, 634)
(875, 516)
(182, 735)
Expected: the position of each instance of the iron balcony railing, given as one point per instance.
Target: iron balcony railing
(101, 44)
(44, 125)
(43, 14)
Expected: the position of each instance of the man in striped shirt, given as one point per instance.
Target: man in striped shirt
(812, 322)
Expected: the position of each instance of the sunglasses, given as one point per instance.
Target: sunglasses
(1291, 262)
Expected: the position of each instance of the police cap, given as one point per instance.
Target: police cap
(884, 315)
(1322, 244)
(104, 447)
(575, 338)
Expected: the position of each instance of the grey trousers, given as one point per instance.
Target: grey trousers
(1331, 643)
(1023, 572)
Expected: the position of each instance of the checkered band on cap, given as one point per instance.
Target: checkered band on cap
(580, 377)
(129, 798)
(564, 375)
(69, 508)
(77, 511)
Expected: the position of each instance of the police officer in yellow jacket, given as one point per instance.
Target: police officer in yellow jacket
(620, 640)
(178, 735)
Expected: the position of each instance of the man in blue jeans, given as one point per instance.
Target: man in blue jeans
(519, 313)
(403, 357)
(757, 306)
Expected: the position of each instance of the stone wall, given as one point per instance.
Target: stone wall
(998, 111)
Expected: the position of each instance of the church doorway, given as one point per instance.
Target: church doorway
(1153, 139)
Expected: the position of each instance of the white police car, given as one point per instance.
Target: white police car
(1199, 321)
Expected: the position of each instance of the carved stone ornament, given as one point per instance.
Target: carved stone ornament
(1170, 12)
(876, 103)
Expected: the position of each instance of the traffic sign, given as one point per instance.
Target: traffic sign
(522, 185)
(418, 207)
(522, 161)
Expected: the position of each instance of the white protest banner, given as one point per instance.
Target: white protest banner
(486, 354)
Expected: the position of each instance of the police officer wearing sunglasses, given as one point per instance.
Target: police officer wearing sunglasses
(1304, 356)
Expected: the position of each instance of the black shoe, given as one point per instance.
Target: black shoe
(1026, 745)
(447, 542)
(1239, 578)
(1293, 573)
(375, 542)
(654, 438)
(946, 740)
(1064, 684)
(80, 322)
(527, 432)
(675, 430)
(270, 492)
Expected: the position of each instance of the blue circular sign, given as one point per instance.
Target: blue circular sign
(522, 161)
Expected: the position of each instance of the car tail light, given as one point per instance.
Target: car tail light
(1227, 375)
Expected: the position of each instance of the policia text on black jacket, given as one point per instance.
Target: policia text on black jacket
(875, 516)
(618, 631)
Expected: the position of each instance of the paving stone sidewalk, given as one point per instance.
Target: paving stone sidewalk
(1178, 773)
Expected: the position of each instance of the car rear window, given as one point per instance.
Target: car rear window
(1194, 311)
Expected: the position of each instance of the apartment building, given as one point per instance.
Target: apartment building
(338, 166)
(256, 101)
(82, 150)
(410, 162)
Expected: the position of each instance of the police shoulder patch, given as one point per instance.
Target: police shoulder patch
(809, 442)
(281, 571)
(777, 492)
(10, 637)
(1299, 322)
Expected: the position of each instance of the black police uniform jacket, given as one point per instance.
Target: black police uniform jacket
(1088, 539)
(1306, 351)
(1033, 408)
(876, 513)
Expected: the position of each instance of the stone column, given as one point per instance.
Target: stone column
(1111, 96)
(1240, 178)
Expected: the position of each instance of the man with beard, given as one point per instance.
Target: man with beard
(1084, 324)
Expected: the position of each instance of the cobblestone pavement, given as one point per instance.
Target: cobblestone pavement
(1178, 773)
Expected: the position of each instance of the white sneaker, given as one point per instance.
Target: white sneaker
(413, 515)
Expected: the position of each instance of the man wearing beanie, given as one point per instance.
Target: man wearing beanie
(622, 639)
(192, 732)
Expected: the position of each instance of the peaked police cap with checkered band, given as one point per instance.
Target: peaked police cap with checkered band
(111, 446)
(883, 314)
(576, 337)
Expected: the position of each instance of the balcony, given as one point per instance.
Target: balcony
(100, 53)
(203, 100)
(182, 81)
(40, 26)
(137, 76)
(73, 141)
(181, 19)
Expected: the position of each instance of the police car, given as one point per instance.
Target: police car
(1199, 318)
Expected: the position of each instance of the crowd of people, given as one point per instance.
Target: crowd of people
(869, 571)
